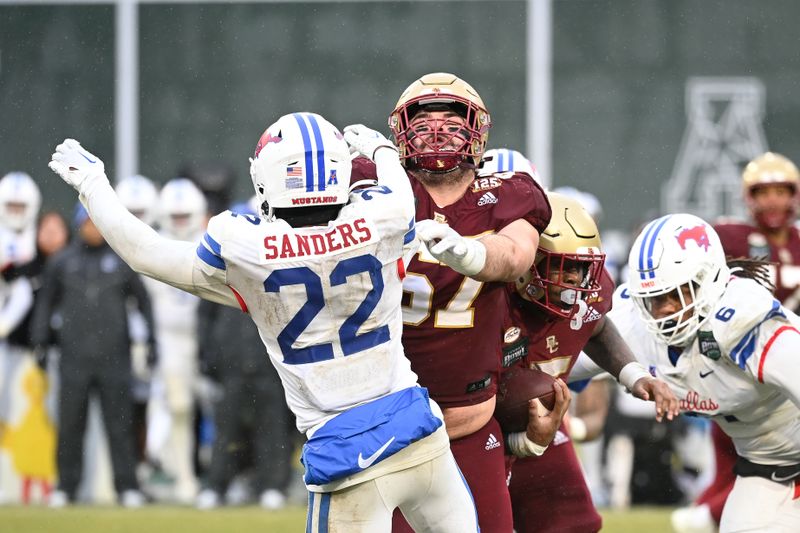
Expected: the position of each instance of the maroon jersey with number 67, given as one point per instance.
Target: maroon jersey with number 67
(452, 323)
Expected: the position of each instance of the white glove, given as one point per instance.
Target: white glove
(77, 166)
(465, 256)
(366, 141)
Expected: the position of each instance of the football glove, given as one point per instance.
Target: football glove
(465, 256)
(366, 141)
(78, 167)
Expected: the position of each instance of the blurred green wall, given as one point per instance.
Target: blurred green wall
(213, 76)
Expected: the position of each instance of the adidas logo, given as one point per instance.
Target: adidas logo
(487, 198)
(592, 315)
(560, 438)
(492, 442)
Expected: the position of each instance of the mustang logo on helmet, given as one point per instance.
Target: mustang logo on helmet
(697, 234)
(265, 140)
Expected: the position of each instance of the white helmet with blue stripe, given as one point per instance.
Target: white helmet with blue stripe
(499, 160)
(302, 160)
(20, 200)
(182, 209)
(672, 252)
(139, 196)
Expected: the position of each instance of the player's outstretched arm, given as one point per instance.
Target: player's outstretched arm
(501, 257)
(135, 242)
(373, 145)
(609, 350)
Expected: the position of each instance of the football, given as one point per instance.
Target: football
(518, 385)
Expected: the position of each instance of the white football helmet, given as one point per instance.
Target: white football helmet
(301, 160)
(181, 209)
(139, 196)
(498, 160)
(671, 252)
(20, 200)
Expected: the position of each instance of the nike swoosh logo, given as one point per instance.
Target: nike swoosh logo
(781, 479)
(704, 374)
(366, 463)
(86, 158)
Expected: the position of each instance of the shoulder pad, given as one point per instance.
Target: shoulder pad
(739, 313)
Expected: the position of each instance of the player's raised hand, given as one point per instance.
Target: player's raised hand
(659, 392)
(76, 165)
(366, 141)
(465, 256)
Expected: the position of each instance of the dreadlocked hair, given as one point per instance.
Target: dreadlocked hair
(755, 268)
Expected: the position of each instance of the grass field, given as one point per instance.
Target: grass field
(157, 519)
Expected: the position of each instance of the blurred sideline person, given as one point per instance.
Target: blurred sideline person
(251, 417)
(455, 299)
(171, 409)
(88, 285)
(558, 308)
(718, 337)
(320, 275)
(770, 189)
(20, 200)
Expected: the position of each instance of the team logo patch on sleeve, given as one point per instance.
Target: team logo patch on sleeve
(708, 345)
(514, 351)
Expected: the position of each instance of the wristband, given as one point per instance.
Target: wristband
(521, 446)
(474, 260)
(577, 429)
(631, 373)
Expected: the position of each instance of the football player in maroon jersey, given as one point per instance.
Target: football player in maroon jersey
(558, 309)
(770, 189)
(453, 315)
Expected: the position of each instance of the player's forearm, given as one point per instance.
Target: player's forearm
(509, 255)
(608, 349)
(392, 175)
(135, 242)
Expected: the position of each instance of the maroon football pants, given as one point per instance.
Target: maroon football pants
(481, 458)
(549, 493)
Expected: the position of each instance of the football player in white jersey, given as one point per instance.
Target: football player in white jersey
(321, 275)
(730, 352)
(181, 213)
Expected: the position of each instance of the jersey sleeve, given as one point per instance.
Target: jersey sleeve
(391, 201)
(209, 250)
(740, 318)
(778, 360)
(522, 198)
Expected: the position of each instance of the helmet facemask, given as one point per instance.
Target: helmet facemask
(559, 281)
(680, 327)
(440, 144)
